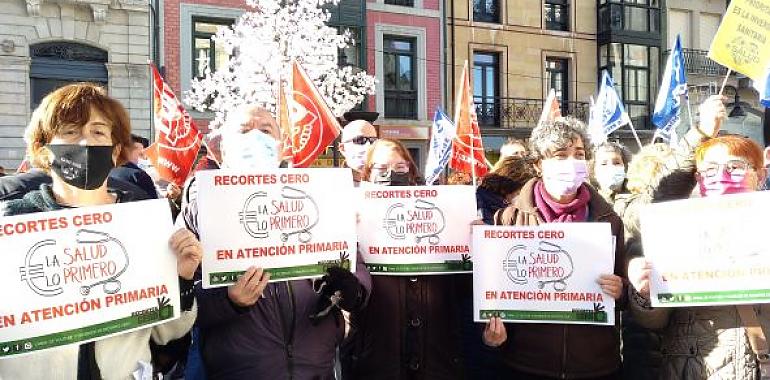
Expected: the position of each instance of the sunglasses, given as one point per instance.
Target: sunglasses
(362, 140)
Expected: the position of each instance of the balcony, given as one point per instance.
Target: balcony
(510, 113)
(697, 62)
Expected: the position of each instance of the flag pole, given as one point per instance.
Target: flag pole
(473, 158)
(636, 136)
(724, 82)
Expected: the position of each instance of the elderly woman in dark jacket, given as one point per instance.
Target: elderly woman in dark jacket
(558, 195)
(411, 327)
(709, 342)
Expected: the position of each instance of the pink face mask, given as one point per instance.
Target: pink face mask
(723, 183)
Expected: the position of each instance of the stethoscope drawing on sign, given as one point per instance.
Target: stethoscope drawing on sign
(303, 234)
(560, 284)
(110, 285)
(30, 272)
(433, 238)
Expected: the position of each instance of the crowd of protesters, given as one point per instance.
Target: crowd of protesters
(80, 145)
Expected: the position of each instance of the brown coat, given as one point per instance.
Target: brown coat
(563, 351)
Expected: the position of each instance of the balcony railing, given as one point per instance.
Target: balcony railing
(509, 113)
(697, 62)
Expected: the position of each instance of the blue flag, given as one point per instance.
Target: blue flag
(442, 133)
(668, 106)
(608, 113)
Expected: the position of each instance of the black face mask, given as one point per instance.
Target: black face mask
(85, 167)
(391, 178)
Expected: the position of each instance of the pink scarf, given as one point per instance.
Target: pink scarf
(555, 212)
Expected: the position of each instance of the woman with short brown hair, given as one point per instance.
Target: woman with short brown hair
(78, 133)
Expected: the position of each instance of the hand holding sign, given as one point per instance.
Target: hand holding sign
(249, 287)
(611, 284)
(188, 252)
(495, 333)
(639, 270)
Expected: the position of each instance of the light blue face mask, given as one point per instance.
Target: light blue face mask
(249, 151)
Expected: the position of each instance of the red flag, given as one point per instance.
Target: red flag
(24, 166)
(551, 108)
(468, 137)
(177, 141)
(313, 125)
(285, 124)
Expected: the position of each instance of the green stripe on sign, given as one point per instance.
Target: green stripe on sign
(84, 333)
(545, 315)
(226, 278)
(759, 295)
(448, 266)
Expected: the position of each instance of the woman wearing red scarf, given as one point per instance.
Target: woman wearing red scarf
(560, 194)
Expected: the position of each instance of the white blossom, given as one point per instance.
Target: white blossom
(261, 45)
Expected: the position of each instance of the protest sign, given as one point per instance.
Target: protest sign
(708, 251)
(294, 223)
(742, 42)
(543, 274)
(413, 230)
(83, 274)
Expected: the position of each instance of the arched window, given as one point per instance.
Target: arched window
(56, 64)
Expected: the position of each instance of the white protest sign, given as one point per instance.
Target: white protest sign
(409, 230)
(543, 274)
(294, 223)
(708, 251)
(83, 274)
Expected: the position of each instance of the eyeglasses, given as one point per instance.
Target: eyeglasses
(734, 167)
(362, 140)
(401, 167)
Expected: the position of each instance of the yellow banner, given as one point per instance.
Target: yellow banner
(742, 42)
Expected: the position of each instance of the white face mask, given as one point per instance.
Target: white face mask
(563, 177)
(252, 150)
(610, 177)
(355, 155)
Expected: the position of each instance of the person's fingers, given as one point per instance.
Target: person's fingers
(253, 283)
(245, 278)
(499, 327)
(262, 284)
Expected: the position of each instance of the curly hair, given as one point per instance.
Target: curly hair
(558, 134)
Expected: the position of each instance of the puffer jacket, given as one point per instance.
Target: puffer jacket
(691, 343)
(563, 351)
(703, 343)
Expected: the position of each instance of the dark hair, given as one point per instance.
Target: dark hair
(509, 176)
(141, 140)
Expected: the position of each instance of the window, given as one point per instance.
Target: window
(57, 64)
(486, 11)
(486, 88)
(403, 3)
(399, 69)
(557, 15)
(557, 77)
(629, 15)
(206, 53)
(351, 55)
(635, 70)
